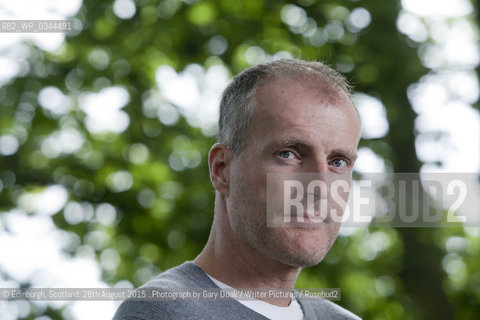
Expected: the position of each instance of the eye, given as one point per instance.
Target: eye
(339, 163)
(285, 154)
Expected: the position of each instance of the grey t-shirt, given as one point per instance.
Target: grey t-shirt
(189, 275)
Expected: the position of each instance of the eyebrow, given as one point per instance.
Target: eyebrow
(289, 142)
(300, 143)
(348, 153)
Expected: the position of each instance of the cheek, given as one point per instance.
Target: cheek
(248, 191)
(252, 181)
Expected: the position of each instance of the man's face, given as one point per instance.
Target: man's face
(295, 130)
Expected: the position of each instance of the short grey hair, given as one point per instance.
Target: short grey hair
(238, 100)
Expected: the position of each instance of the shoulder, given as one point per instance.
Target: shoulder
(180, 279)
(325, 309)
(185, 276)
(154, 309)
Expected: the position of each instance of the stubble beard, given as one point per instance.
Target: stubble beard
(248, 219)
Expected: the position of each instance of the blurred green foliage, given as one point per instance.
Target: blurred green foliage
(154, 174)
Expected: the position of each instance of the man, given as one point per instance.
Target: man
(284, 118)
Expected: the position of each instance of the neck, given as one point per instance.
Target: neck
(230, 260)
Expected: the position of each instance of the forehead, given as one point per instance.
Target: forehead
(300, 94)
(309, 106)
(314, 84)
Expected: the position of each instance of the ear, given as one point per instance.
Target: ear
(219, 159)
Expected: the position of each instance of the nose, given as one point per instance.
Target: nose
(317, 170)
(317, 165)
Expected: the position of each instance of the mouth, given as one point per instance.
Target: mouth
(307, 214)
(316, 212)
(307, 221)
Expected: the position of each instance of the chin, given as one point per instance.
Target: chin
(304, 261)
(300, 256)
(304, 248)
